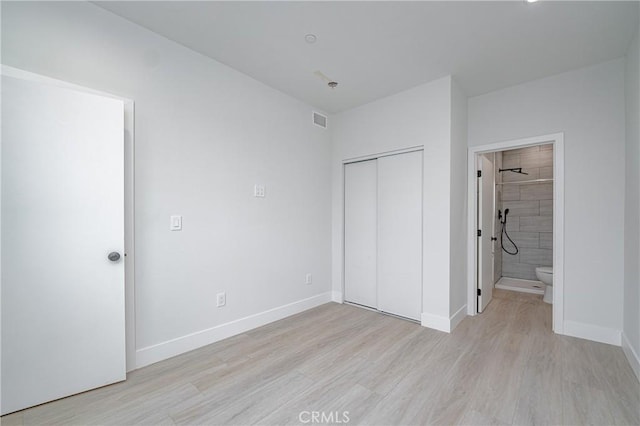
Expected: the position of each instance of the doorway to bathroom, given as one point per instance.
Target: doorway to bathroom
(516, 210)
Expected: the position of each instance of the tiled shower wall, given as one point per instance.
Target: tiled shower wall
(530, 220)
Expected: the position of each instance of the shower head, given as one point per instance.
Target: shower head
(513, 170)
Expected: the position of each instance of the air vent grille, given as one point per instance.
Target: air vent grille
(319, 120)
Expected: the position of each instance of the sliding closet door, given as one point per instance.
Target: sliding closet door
(400, 234)
(360, 187)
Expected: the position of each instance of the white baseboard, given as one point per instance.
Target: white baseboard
(458, 317)
(632, 355)
(592, 332)
(441, 323)
(436, 322)
(336, 296)
(173, 347)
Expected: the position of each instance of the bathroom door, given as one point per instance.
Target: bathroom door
(485, 223)
(63, 329)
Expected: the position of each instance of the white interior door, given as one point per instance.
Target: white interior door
(360, 221)
(63, 328)
(400, 234)
(486, 207)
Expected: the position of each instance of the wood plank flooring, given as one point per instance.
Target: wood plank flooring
(502, 367)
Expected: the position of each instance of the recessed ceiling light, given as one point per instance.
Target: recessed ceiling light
(310, 38)
(531, 1)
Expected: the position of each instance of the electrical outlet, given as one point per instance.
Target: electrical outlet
(308, 278)
(221, 299)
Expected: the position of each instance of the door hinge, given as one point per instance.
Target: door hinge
(479, 292)
(479, 232)
(479, 173)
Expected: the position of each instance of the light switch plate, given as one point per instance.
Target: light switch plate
(259, 191)
(176, 223)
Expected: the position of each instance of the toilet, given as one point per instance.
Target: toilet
(545, 274)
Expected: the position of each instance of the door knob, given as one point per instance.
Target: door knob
(114, 256)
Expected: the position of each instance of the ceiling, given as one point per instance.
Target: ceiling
(374, 49)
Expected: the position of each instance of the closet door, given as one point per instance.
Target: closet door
(360, 200)
(400, 234)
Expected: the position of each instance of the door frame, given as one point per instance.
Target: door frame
(129, 200)
(557, 139)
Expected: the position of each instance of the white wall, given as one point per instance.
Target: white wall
(631, 318)
(588, 106)
(205, 134)
(416, 117)
(458, 225)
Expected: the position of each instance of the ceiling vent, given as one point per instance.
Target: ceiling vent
(319, 120)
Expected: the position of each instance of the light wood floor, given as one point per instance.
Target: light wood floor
(502, 367)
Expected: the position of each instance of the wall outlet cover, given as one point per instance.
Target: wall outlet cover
(221, 299)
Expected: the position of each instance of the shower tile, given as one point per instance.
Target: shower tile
(546, 240)
(510, 192)
(528, 150)
(509, 258)
(537, 257)
(536, 159)
(546, 207)
(536, 224)
(522, 208)
(525, 239)
(510, 160)
(538, 191)
(546, 158)
(530, 160)
(546, 173)
(519, 270)
(513, 223)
